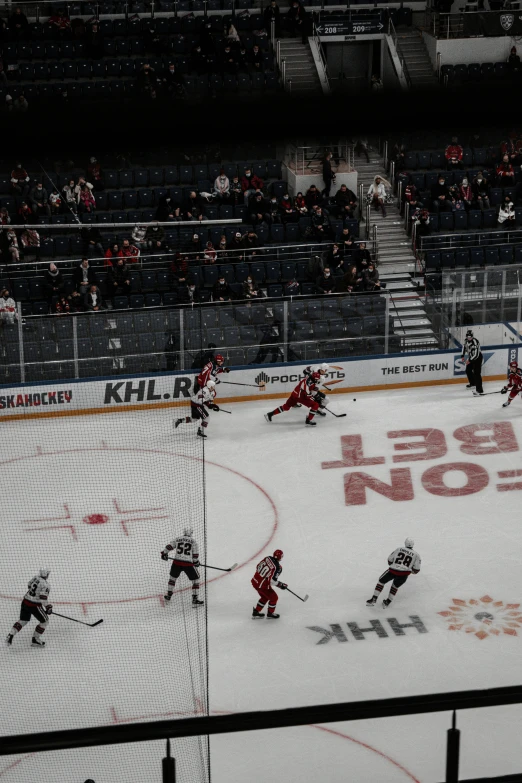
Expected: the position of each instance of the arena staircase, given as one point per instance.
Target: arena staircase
(397, 264)
(301, 69)
(418, 62)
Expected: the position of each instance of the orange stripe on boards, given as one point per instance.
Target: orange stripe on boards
(248, 398)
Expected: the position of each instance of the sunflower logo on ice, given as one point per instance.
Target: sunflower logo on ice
(483, 617)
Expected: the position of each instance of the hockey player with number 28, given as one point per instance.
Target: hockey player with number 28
(402, 562)
(268, 571)
(33, 602)
(514, 384)
(185, 560)
(199, 404)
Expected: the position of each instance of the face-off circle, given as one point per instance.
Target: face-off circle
(89, 510)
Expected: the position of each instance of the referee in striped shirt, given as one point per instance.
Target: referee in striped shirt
(471, 347)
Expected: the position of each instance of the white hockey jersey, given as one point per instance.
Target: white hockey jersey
(203, 396)
(404, 561)
(184, 548)
(38, 592)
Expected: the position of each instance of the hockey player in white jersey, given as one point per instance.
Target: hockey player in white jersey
(200, 403)
(34, 604)
(401, 563)
(186, 560)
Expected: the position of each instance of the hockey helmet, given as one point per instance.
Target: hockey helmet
(469, 335)
(278, 554)
(211, 384)
(44, 573)
(513, 365)
(219, 358)
(316, 375)
(187, 531)
(409, 543)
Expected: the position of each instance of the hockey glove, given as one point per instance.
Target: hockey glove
(504, 390)
(215, 407)
(196, 563)
(226, 369)
(49, 608)
(282, 585)
(164, 556)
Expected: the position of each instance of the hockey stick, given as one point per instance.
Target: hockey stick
(337, 415)
(254, 385)
(298, 596)
(486, 394)
(74, 620)
(214, 568)
(222, 410)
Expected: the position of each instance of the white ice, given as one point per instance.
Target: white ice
(257, 474)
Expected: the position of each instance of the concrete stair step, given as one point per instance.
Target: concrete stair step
(428, 340)
(408, 303)
(399, 285)
(407, 315)
(396, 277)
(414, 332)
(407, 323)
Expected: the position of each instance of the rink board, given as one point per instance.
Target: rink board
(173, 389)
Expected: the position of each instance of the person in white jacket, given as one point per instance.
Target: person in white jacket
(377, 194)
(222, 186)
(7, 308)
(506, 213)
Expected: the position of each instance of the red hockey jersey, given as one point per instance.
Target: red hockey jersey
(515, 380)
(306, 386)
(209, 371)
(267, 570)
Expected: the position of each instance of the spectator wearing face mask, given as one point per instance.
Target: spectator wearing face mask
(250, 184)
(505, 173)
(221, 291)
(370, 279)
(325, 283)
(274, 213)
(236, 192)
(287, 211)
(188, 292)
(39, 200)
(466, 193)
(480, 189)
(251, 289)
(222, 186)
(129, 252)
(8, 314)
(506, 213)
(440, 195)
(300, 204)
(259, 209)
(454, 154)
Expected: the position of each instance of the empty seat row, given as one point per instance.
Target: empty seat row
(474, 71)
(474, 219)
(474, 257)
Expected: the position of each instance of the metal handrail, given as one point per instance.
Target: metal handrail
(375, 242)
(317, 41)
(395, 38)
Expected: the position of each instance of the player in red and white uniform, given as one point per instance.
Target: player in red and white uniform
(303, 394)
(200, 404)
(514, 384)
(267, 573)
(34, 604)
(210, 371)
(402, 562)
(186, 560)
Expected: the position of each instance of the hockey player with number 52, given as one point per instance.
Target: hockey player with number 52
(402, 562)
(185, 560)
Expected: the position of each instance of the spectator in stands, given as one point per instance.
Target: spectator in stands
(71, 191)
(84, 276)
(95, 174)
(301, 205)
(361, 147)
(513, 62)
(117, 281)
(9, 245)
(256, 58)
(25, 213)
(250, 184)
(352, 281)
(18, 24)
(173, 82)
(287, 212)
(376, 84)
(321, 227)
(328, 175)
(147, 80)
(60, 24)
(209, 254)
(20, 182)
(421, 219)
(506, 213)
(480, 188)
(138, 236)
(92, 242)
(344, 235)
(30, 239)
(61, 306)
(511, 147)
(251, 243)
(440, 195)
(39, 200)
(259, 209)
(370, 278)
(76, 302)
(222, 186)
(296, 20)
(179, 269)
(222, 249)
(86, 200)
(466, 193)
(505, 173)
(55, 202)
(199, 61)
(94, 42)
(4, 216)
(130, 252)
(189, 293)
(349, 252)
(313, 198)
(325, 283)
(8, 314)
(21, 104)
(168, 209)
(53, 282)
(191, 208)
(334, 259)
(194, 246)
(274, 212)
(228, 61)
(154, 234)
(272, 13)
(346, 202)
(251, 289)
(377, 194)
(292, 288)
(364, 258)
(94, 300)
(233, 37)
(221, 291)
(454, 154)
(236, 192)
(315, 267)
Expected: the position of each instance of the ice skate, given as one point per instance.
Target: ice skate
(470, 386)
(386, 603)
(268, 416)
(37, 642)
(201, 433)
(478, 394)
(272, 616)
(167, 597)
(310, 423)
(196, 601)
(506, 403)
(255, 613)
(320, 413)
(371, 601)
(9, 639)
(177, 423)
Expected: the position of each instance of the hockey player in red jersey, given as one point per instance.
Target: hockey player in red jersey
(267, 572)
(303, 394)
(210, 371)
(514, 384)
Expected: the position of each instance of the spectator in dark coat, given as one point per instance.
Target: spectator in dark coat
(18, 24)
(256, 58)
(84, 276)
(192, 208)
(259, 209)
(155, 233)
(320, 224)
(287, 210)
(251, 244)
(313, 198)
(297, 21)
(352, 280)
(251, 289)
(334, 259)
(325, 283)
(53, 282)
(168, 209)
(328, 175)
(440, 195)
(370, 278)
(480, 190)
(270, 13)
(93, 299)
(118, 281)
(189, 293)
(250, 184)
(92, 242)
(221, 291)
(346, 202)
(173, 82)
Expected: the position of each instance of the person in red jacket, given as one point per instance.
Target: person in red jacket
(250, 184)
(303, 394)
(514, 384)
(130, 252)
(505, 173)
(267, 573)
(454, 154)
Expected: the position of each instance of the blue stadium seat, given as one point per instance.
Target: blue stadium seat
(447, 258)
(489, 218)
(476, 255)
(461, 258)
(156, 176)
(424, 159)
(491, 256)
(505, 253)
(461, 220)
(130, 199)
(446, 221)
(432, 260)
(145, 197)
(475, 218)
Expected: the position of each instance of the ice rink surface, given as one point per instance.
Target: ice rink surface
(433, 463)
